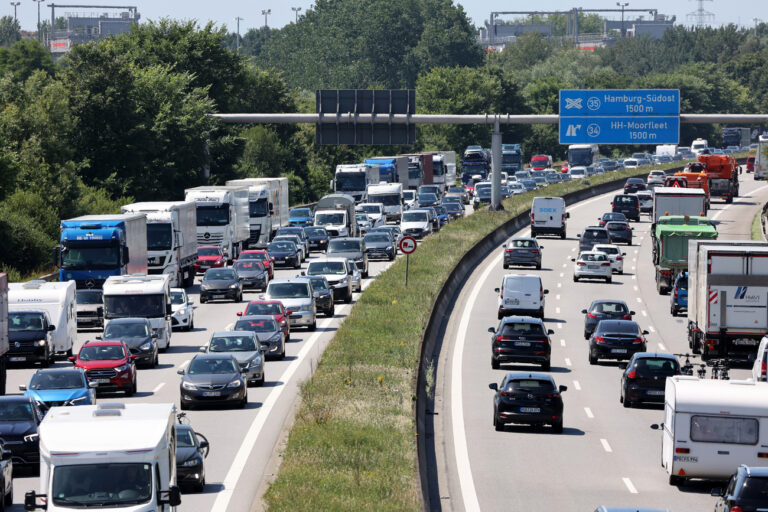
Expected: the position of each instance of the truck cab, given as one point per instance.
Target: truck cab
(141, 296)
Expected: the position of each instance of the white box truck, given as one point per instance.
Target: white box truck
(353, 179)
(761, 158)
(699, 145)
(3, 329)
(58, 300)
(110, 456)
(222, 217)
(390, 195)
(336, 213)
(678, 201)
(712, 426)
(171, 239)
(267, 208)
(728, 299)
(141, 296)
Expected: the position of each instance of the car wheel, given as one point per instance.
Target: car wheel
(501, 315)
(676, 480)
(562, 235)
(546, 366)
(244, 401)
(392, 257)
(540, 314)
(199, 486)
(331, 311)
(609, 280)
(348, 298)
(557, 427)
(496, 424)
(46, 362)
(538, 266)
(8, 498)
(203, 300)
(495, 364)
(365, 274)
(191, 325)
(313, 326)
(592, 359)
(298, 264)
(575, 279)
(184, 406)
(505, 266)
(281, 355)
(586, 335)
(673, 311)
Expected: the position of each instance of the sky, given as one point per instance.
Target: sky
(740, 12)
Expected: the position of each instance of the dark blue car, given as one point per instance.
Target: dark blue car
(300, 217)
(678, 298)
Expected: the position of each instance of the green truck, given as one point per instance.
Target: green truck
(670, 245)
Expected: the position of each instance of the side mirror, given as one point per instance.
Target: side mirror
(180, 372)
(239, 313)
(657, 426)
(51, 327)
(155, 335)
(622, 366)
(496, 290)
(578, 236)
(623, 254)
(190, 303)
(567, 215)
(546, 292)
(203, 349)
(288, 313)
(72, 358)
(174, 496)
(204, 444)
(491, 330)
(303, 273)
(645, 333)
(583, 311)
(493, 386)
(632, 313)
(168, 309)
(56, 256)
(126, 255)
(133, 357)
(92, 384)
(22, 387)
(30, 501)
(550, 331)
(717, 492)
(541, 247)
(562, 388)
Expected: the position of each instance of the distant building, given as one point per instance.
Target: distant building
(86, 24)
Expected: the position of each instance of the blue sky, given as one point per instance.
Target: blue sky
(224, 11)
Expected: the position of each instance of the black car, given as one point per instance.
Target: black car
(138, 337)
(620, 232)
(19, 419)
(610, 216)
(29, 337)
(747, 491)
(645, 378)
(318, 238)
(191, 450)
(425, 199)
(379, 245)
(591, 236)
(252, 274)
(603, 309)
(389, 229)
(628, 204)
(529, 399)
(323, 295)
(298, 231)
(454, 209)
(616, 339)
(221, 283)
(634, 185)
(213, 379)
(520, 339)
(284, 254)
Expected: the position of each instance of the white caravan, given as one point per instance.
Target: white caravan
(267, 208)
(141, 296)
(222, 217)
(58, 300)
(111, 456)
(761, 158)
(712, 426)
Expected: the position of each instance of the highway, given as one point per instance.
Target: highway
(242, 441)
(607, 455)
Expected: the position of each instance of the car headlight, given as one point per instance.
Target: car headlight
(203, 286)
(276, 338)
(188, 385)
(41, 343)
(233, 286)
(182, 311)
(253, 363)
(146, 346)
(76, 401)
(122, 368)
(191, 462)
(234, 384)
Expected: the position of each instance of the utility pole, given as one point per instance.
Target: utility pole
(15, 5)
(266, 13)
(296, 12)
(756, 21)
(622, 5)
(39, 35)
(238, 18)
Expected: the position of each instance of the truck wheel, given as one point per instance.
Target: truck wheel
(8, 498)
(495, 364)
(46, 362)
(676, 480)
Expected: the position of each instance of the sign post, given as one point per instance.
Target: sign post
(407, 246)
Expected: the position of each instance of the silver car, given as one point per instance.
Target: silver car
(524, 252)
(297, 295)
(245, 347)
(270, 335)
(336, 272)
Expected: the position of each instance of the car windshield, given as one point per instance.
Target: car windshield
(371, 208)
(427, 197)
(263, 309)
(291, 231)
(682, 282)
(415, 217)
(522, 328)
(315, 231)
(177, 298)
(344, 246)
(323, 219)
(523, 243)
(88, 297)
(115, 330)
(184, 438)
(591, 256)
(239, 343)
(104, 485)
(409, 195)
(648, 367)
(288, 238)
(256, 325)
(203, 366)
(20, 322)
(616, 226)
(62, 379)
(16, 411)
(219, 274)
(607, 249)
(626, 200)
(362, 217)
(531, 385)
(288, 290)
(319, 283)
(755, 489)
(592, 234)
(456, 190)
(326, 267)
(300, 213)
(609, 308)
(101, 353)
(614, 216)
(281, 247)
(615, 327)
(249, 266)
(377, 237)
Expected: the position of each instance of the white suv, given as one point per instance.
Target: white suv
(615, 256)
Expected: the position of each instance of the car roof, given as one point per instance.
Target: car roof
(605, 301)
(604, 245)
(129, 320)
(215, 355)
(103, 343)
(754, 471)
(61, 370)
(345, 238)
(615, 322)
(242, 333)
(264, 301)
(16, 398)
(598, 228)
(529, 375)
(615, 222)
(290, 279)
(208, 247)
(654, 355)
(323, 260)
(521, 319)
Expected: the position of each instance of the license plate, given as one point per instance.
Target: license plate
(101, 381)
(618, 351)
(530, 409)
(655, 392)
(512, 302)
(592, 267)
(219, 295)
(522, 343)
(211, 393)
(745, 342)
(17, 358)
(205, 266)
(279, 260)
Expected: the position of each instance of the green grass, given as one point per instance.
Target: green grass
(757, 227)
(14, 276)
(353, 445)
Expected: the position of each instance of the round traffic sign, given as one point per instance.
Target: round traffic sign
(407, 244)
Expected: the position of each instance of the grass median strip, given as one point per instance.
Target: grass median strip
(353, 446)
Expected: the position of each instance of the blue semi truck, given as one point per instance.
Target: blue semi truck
(93, 247)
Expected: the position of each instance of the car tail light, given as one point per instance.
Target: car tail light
(674, 294)
(736, 508)
(553, 395)
(534, 251)
(762, 455)
(502, 338)
(627, 317)
(627, 228)
(682, 450)
(590, 315)
(509, 250)
(599, 339)
(580, 263)
(619, 258)
(532, 216)
(637, 340)
(507, 393)
(632, 375)
(606, 264)
(764, 370)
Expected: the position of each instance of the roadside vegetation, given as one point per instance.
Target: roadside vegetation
(757, 227)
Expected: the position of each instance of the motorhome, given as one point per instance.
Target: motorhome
(141, 296)
(267, 208)
(57, 300)
(761, 158)
(711, 426)
(110, 456)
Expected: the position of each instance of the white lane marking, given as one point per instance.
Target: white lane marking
(573, 249)
(158, 387)
(634, 277)
(589, 412)
(561, 275)
(606, 446)
(630, 487)
(567, 362)
(636, 251)
(559, 326)
(562, 343)
(557, 296)
(644, 313)
(662, 347)
(577, 385)
(184, 364)
(639, 299)
(557, 310)
(559, 285)
(650, 327)
(565, 265)
(636, 288)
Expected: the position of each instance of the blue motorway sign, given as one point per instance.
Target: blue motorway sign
(618, 116)
(620, 130)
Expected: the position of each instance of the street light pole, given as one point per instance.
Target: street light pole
(622, 5)
(296, 12)
(266, 13)
(39, 35)
(15, 5)
(756, 21)
(238, 18)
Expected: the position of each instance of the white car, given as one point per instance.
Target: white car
(183, 316)
(578, 172)
(375, 213)
(646, 201)
(592, 265)
(656, 177)
(416, 224)
(614, 254)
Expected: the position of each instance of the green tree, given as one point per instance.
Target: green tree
(10, 32)
(25, 57)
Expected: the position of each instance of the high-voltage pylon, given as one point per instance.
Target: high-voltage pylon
(701, 16)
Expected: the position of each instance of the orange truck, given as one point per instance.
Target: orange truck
(722, 176)
(694, 178)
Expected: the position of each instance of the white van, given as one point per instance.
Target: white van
(58, 300)
(548, 216)
(521, 294)
(712, 426)
(760, 368)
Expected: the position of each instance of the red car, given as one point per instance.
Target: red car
(541, 162)
(263, 257)
(750, 164)
(270, 307)
(109, 364)
(564, 168)
(209, 256)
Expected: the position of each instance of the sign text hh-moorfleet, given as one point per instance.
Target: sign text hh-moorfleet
(618, 116)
